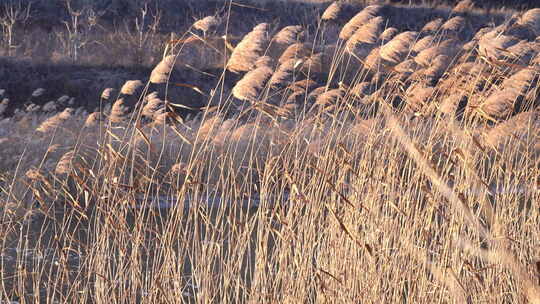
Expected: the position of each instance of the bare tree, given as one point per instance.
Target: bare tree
(13, 12)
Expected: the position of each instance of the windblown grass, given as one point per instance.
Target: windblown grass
(392, 166)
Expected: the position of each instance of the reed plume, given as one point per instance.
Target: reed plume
(265, 61)
(453, 105)
(424, 43)
(531, 18)
(493, 45)
(106, 94)
(388, 34)
(50, 106)
(313, 64)
(433, 26)
(398, 48)
(358, 20)
(284, 73)
(251, 85)
(288, 35)
(160, 74)
(521, 81)
(296, 51)
(4, 105)
(93, 119)
(118, 111)
(64, 165)
(152, 104)
(517, 126)
(455, 24)
(247, 52)
(499, 105)
(463, 7)
(329, 97)
(427, 56)
(438, 66)
(38, 92)
(207, 23)
(53, 122)
(131, 86)
(332, 12)
(366, 36)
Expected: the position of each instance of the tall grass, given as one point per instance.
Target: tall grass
(350, 177)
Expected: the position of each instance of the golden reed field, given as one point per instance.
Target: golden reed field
(247, 152)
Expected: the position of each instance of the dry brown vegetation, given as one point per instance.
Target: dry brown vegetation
(390, 165)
